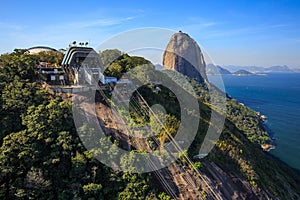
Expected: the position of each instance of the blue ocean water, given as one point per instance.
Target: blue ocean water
(278, 97)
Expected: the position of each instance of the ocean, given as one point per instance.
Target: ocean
(276, 96)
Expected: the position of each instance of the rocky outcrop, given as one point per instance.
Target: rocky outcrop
(184, 55)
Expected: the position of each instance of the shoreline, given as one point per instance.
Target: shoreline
(257, 103)
(282, 162)
(268, 146)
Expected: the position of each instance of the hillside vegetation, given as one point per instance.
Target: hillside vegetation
(42, 157)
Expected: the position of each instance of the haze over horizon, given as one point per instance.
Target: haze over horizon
(232, 33)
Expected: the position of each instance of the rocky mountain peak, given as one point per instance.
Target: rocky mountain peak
(184, 55)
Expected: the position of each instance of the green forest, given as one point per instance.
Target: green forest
(41, 154)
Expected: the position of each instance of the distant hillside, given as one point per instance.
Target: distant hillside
(159, 67)
(278, 69)
(297, 70)
(243, 72)
(212, 69)
(258, 69)
(234, 68)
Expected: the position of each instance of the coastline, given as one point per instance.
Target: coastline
(277, 97)
(268, 146)
(282, 162)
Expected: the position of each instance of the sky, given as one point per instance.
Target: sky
(246, 33)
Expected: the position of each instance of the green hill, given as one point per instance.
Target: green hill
(42, 157)
(242, 72)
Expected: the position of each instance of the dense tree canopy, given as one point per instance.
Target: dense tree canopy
(123, 64)
(109, 55)
(41, 155)
(18, 89)
(52, 57)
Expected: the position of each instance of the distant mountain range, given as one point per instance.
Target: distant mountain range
(258, 70)
(212, 69)
(218, 70)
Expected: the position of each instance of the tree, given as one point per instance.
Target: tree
(18, 65)
(16, 158)
(52, 57)
(164, 126)
(93, 190)
(109, 55)
(136, 187)
(114, 70)
(48, 143)
(17, 96)
(18, 89)
(123, 64)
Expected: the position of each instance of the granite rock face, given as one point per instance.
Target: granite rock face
(184, 55)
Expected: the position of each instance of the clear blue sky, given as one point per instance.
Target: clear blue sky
(241, 32)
